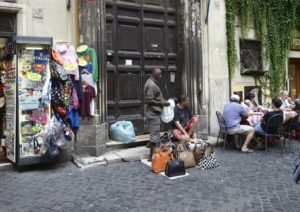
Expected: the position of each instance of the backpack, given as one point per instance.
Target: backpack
(297, 170)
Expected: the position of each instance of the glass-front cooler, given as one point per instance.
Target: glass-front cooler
(33, 112)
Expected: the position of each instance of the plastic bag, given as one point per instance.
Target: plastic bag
(122, 131)
(49, 145)
(167, 114)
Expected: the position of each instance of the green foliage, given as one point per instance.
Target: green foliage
(275, 23)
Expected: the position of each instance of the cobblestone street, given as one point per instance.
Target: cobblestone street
(244, 182)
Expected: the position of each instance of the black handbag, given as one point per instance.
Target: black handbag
(175, 168)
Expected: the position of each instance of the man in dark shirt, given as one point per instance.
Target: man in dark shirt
(184, 123)
(154, 103)
(276, 104)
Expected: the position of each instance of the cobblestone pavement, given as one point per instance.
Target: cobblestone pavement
(244, 182)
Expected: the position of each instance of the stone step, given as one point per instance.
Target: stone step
(141, 140)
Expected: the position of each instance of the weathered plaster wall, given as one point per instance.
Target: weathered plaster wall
(54, 20)
(239, 81)
(215, 60)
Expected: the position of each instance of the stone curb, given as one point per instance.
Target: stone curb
(6, 166)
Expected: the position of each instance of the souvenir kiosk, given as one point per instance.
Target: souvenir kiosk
(28, 111)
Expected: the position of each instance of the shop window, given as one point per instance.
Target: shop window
(251, 59)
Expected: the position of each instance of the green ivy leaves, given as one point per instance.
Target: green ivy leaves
(275, 23)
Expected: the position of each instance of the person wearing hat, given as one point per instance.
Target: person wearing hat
(233, 115)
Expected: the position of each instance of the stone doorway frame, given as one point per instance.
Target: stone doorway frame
(92, 32)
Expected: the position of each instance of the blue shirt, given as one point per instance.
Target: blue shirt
(233, 114)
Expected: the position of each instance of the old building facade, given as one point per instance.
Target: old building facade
(186, 39)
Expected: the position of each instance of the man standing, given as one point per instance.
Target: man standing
(233, 114)
(154, 103)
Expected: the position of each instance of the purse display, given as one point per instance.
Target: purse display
(198, 153)
(160, 160)
(175, 168)
(186, 155)
(208, 162)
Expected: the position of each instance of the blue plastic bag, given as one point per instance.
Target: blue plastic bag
(122, 131)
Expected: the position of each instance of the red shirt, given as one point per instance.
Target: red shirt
(88, 95)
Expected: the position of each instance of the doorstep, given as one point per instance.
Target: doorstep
(128, 154)
(141, 140)
(112, 157)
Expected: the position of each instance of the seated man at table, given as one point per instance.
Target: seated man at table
(233, 115)
(185, 123)
(276, 105)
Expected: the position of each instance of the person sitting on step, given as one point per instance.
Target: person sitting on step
(184, 123)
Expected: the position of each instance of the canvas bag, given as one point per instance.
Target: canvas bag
(186, 155)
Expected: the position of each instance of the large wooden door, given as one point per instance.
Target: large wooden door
(140, 35)
(294, 77)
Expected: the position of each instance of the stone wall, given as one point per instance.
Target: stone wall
(46, 18)
(215, 68)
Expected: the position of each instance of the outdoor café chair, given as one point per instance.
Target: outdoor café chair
(223, 128)
(272, 128)
(289, 129)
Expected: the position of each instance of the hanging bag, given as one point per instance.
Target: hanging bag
(74, 99)
(167, 114)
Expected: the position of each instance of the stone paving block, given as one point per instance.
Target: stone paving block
(112, 157)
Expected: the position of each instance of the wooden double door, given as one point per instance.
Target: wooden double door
(140, 35)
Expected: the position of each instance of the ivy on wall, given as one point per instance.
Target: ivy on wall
(275, 23)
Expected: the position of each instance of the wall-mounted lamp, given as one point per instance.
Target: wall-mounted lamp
(69, 4)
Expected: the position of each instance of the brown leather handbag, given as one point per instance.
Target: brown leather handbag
(160, 159)
(186, 155)
(198, 153)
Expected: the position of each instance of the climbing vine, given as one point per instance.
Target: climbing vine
(275, 23)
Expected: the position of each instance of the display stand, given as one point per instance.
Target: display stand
(28, 113)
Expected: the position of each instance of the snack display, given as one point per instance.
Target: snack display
(34, 110)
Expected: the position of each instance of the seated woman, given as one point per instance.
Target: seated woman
(184, 123)
(254, 117)
(250, 102)
(276, 104)
(295, 110)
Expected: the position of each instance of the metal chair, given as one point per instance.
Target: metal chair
(223, 128)
(272, 128)
(289, 129)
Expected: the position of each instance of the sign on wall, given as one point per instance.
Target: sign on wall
(296, 42)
